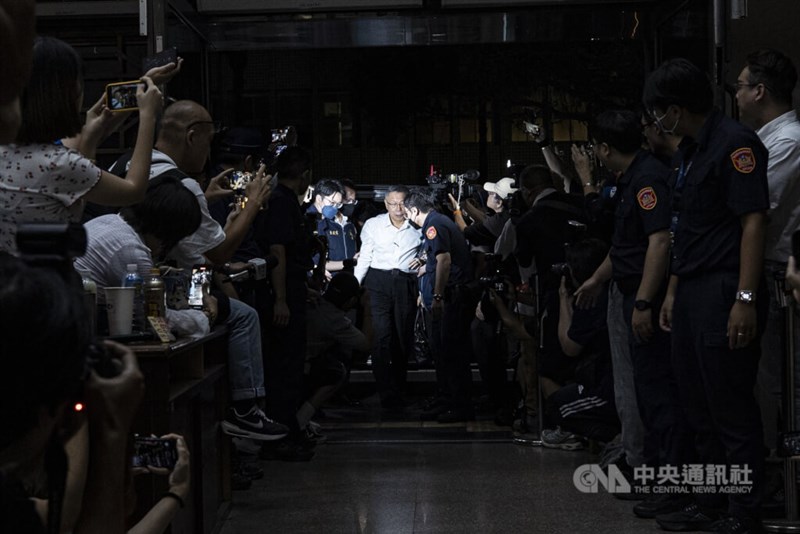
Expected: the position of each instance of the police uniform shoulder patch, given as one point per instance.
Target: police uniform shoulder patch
(647, 198)
(744, 160)
(430, 233)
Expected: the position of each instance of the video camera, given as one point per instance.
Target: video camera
(458, 185)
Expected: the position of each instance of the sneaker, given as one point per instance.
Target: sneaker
(690, 518)
(737, 525)
(254, 424)
(559, 439)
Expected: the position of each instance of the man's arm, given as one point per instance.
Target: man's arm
(443, 262)
(655, 270)
(366, 253)
(587, 293)
(568, 346)
(742, 319)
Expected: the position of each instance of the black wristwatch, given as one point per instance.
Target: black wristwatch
(642, 305)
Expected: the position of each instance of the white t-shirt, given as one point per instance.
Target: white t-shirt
(41, 183)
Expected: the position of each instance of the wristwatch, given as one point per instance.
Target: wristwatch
(746, 296)
(642, 305)
(437, 297)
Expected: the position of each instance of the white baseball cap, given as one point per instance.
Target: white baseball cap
(502, 188)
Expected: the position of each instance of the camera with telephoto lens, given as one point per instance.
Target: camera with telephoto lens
(55, 246)
(458, 185)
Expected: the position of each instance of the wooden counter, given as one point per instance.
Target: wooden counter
(187, 393)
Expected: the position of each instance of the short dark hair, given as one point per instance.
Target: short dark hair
(326, 188)
(584, 257)
(169, 212)
(349, 184)
(342, 288)
(398, 189)
(536, 176)
(421, 198)
(620, 129)
(44, 341)
(678, 82)
(50, 101)
(292, 162)
(775, 71)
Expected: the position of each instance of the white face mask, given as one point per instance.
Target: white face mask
(660, 125)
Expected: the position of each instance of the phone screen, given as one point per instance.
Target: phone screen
(201, 277)
(154, 452)
(122, 96)
(165, 57)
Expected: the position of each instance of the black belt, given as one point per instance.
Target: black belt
(395, 272)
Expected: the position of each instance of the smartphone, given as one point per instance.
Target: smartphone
(201, 278)
(122, 96)
(796, 245)
(165, 57)
(154, 452)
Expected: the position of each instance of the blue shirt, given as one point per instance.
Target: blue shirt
(724, 177)
(342, 238)
(440, 235)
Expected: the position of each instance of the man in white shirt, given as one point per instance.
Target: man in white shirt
(387, 267)
(764, 95)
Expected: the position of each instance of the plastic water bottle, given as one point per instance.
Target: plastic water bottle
(133, 279)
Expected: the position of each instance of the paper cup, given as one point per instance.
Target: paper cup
(119, 306)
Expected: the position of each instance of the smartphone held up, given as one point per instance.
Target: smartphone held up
(121, 96)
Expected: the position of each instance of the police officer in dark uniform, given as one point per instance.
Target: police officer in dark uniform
(340, 234)
(282, 231)
(716, 304)
(638, 262)
(445, 292)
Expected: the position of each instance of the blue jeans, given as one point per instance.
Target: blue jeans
(633, 433)
(245, 363)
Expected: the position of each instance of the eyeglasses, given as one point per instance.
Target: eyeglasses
(394, 205)
(330, 202)
(216, 126)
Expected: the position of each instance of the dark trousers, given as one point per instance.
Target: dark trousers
(667, 437)
(393, 298)
(451, 347)
(285, 356)
(716, 383)
(490, 350)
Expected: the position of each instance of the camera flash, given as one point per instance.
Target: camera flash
(78, 407)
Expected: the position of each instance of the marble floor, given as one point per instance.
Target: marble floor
(405, 476)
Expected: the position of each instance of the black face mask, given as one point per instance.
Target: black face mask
(348, 210)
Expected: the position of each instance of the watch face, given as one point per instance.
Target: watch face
(745, 296)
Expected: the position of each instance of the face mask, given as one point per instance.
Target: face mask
(348, 210)
(660, 125)
(329, 212)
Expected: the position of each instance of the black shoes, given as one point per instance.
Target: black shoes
(691, 518)
(660, 504)
(290, 449)
(737, 525)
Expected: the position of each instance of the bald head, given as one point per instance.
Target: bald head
(185, 135)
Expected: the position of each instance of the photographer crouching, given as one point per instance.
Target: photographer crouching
(444, 291)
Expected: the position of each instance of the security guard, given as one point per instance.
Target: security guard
(638, 263)
(341, 234)
(716, 304)
(444, 290)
